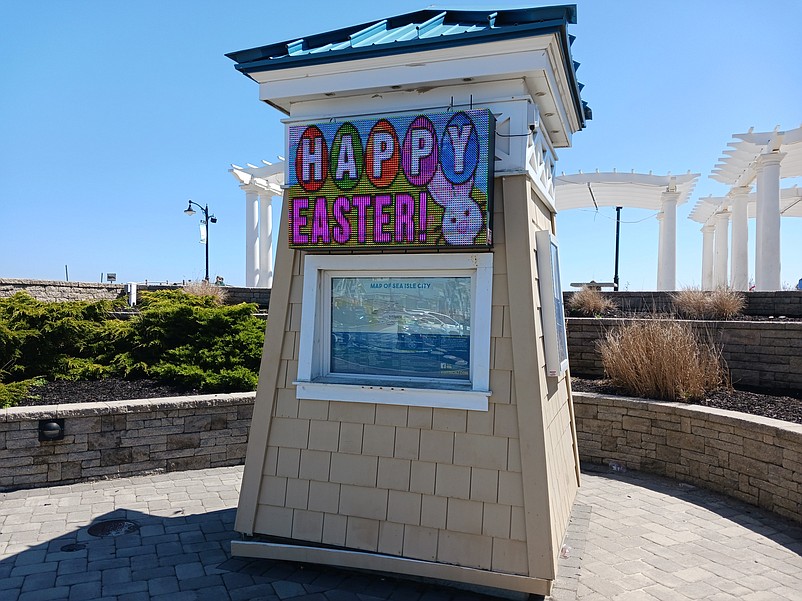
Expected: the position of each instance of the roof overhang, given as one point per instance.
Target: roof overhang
(325, 66)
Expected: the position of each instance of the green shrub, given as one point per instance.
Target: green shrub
(661, 359)
(12, 393)
(188, 340)
(41, 339)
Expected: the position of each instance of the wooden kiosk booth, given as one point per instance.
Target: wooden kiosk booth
(414, 411)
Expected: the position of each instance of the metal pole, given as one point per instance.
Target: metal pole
(617, 239)
(206, 217)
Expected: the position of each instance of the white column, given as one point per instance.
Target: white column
(720, 274)
(767, 228)
(667, 247)
(740, 239)
(660, 242)
(251, 235)
(708, 236)
(265, 241)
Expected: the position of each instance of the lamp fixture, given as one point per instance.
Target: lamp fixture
(207, 219)
(51, 430)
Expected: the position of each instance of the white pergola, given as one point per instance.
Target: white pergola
(760, 159)
(260, 184)
(714, 213)
(661, 193)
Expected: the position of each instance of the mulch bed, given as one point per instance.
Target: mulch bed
(100, 391)
(786, 408)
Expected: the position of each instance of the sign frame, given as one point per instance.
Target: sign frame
(555, 336)
(414, 181)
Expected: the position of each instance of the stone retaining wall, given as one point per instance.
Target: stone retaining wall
(58, 291)
(782, 302)
(55, 291)
(755, 459)
(760, 354)
(123, 438)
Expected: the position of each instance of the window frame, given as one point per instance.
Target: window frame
(315, 382)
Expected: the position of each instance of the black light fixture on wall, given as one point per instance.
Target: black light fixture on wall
(51, 430)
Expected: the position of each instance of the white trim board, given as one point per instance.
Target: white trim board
(314, 383)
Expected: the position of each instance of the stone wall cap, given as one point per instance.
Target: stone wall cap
(61, 283)
(13, 414)
(763, 324)
(725, 416)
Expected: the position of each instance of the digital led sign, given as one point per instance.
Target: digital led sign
(414, 181)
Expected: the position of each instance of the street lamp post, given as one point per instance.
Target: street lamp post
(207, 219)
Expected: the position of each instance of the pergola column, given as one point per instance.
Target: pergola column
(767, 228)
(251, 235)
(708, 237)
(667, 245)
(721, 251)
(265, 279)
(660, 276)
(740, 239)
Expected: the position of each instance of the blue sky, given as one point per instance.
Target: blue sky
(114, 113)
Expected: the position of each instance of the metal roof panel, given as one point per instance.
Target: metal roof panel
(426, 29)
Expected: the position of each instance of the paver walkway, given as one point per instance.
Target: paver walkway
(632, 537)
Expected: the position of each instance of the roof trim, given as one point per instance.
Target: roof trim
(353, 43)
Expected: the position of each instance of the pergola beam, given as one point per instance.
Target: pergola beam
(764, 159)
(660, 193)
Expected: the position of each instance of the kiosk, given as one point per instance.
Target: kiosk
(414, 411)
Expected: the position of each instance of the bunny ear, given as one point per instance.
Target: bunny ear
(464, 188)
(441, 189)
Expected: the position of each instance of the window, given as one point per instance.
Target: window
(551, 296)
(375, 330)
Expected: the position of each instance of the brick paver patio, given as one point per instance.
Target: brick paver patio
(632, 537)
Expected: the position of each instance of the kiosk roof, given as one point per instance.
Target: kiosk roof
(428, 29)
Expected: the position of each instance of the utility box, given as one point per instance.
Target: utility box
(414, 413)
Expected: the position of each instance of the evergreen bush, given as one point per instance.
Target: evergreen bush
(179, 338)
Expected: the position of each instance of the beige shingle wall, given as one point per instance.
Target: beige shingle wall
(561, 457)
(437, 484)
(444, 485)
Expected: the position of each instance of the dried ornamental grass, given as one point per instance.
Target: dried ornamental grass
(204, 288)
(722, 303)
(691, 303)
(661, 359)
(590, 301)
(726, 303)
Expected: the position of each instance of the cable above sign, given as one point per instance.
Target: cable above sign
(411, 181)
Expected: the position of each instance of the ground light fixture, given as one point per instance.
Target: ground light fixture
(207, 219)
(51, 430)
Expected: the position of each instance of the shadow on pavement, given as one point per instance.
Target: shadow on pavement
(127, 555)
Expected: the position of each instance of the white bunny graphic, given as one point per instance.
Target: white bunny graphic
(462, 218)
